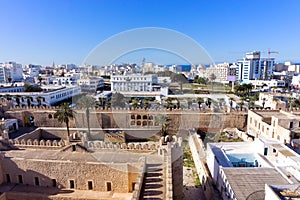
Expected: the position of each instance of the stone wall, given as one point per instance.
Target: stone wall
(122, 118)
(198, 153)
(64, 171)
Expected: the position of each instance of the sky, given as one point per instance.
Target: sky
(66, 31)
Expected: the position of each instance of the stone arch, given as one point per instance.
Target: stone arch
(138, 117)
(16, 141)
(138, 123)
(145, 123)
(132, 116)
(50, 116)
(145, 117)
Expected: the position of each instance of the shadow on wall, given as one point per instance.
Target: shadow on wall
(28, 184)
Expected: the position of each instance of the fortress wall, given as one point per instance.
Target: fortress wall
(179, 119)
(80, 172)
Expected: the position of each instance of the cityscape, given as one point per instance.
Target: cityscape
(144, 104)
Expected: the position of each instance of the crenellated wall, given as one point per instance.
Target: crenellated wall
(180, 119)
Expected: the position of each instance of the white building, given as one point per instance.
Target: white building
(11, 70)
(134, 82)
(48, 97)
(254, 67)
(91, 84)
(240, 170)
(268, 83)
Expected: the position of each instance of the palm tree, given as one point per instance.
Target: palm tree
(8, 97)
(28, 100)
(263, 102)
(39, 100)
(102, 101)
(86, 102)
(231, 99)
(241, 104)
(17, 97)
(63, 115)
(200, 101)
(208, 102)
(40, 79)
(169, 103)
(136, 102)
(163, 121)
(146, 104)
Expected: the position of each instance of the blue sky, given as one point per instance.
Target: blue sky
(65, 31)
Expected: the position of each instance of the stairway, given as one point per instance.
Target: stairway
(153, 185)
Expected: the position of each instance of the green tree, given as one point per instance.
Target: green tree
(146, 103)
(208, 102)
(163, 121)
(200, 101)
(118, 100)
(169, 103)
(102, 102)
(179, 78)
(241, 104)
(40, 79)
(17, 98)
(63, 115)
(231, 99)
(28, 98)
(86, 102)
(9, 79)
(135, 103)
(39, 100)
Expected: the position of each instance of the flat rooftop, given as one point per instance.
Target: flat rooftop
(247, 182)
(105, 156)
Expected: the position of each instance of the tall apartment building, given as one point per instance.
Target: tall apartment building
(254, 67)
(11, 70)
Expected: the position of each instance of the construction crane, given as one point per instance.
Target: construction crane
(269, 52)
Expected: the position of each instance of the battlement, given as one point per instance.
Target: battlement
(37, 143)
(117, 109)
(139, 181)
(140, 146)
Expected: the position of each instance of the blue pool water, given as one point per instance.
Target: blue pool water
(243, 160)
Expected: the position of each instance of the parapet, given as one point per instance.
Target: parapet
(37, 143)
(141, 146)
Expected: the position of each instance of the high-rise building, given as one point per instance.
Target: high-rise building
(11, 72)
(254, 67)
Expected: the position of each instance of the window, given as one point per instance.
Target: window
(90, 185)
(291, 124)
(36, 181)
(7, 178)
(54, 184)
(20, 179)
(72, 184)
(108, 186)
